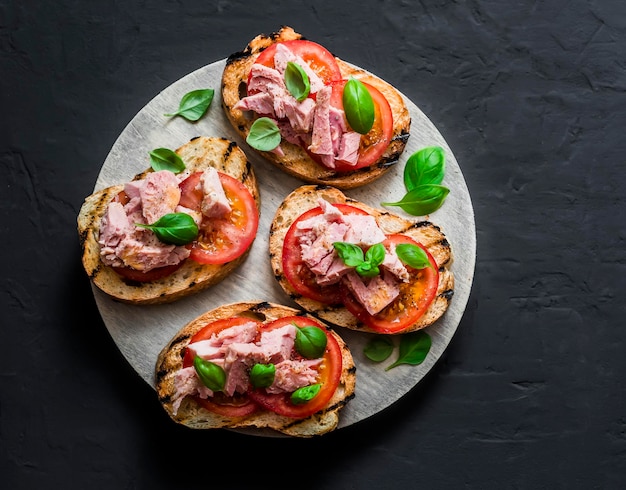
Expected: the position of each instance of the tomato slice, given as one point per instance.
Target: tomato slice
(316, 56)
(222, 240)
(135, 275)
(414, 299)
(297, 272)
(329, 377)
(376, 141)
(239, 404)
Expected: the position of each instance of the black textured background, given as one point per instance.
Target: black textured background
(531, 97)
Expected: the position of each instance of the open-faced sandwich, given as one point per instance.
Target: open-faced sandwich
(312, 114)
(176, 228)
(359, 267)
(256, 365)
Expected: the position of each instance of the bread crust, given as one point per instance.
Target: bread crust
(198, 154)
(425, 232)
(296, 161)
(192, 415)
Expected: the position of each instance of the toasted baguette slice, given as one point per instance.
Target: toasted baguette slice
(198, 154)
(192, 415)
(296, 161)
(305, 198)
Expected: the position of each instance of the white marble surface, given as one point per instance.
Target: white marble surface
(140, 332)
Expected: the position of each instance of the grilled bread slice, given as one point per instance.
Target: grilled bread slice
(307, 197)
(198, 154)
(295, 160)
(192, 415)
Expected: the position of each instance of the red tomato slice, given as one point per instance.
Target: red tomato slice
(151, 275)
(374, 143)
(316, 56)
(222, 240)
(329, 377)
(414, 299)
(237, 405)
(296, 271)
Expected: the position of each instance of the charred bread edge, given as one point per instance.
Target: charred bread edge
(191, 415)
(296, 161)
(427, 233)
(200, 152)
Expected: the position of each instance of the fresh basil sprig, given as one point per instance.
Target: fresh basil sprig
(310, 341)
(305, 394)
(358, 106)
(262, 375)
(194, 104)
(297, 81)
(423, 174)
(413, 349)
(264, 135)
(174, 228)
(366, 264)
(166, 159)
(211, 375)
(412, 255)
(378, 348)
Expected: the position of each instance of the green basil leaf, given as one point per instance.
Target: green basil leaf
(262, 375)
(358, 106)
(378, 348)
(211, 375)
(194, 104)
(351, 254)
(305, 394)
(367, 269)
(414, 348)
(166, 159)
(297, 81)
(422, 200)
(310, 341)
(412, 255)
(426, 166)
(375, 254)
(174, 228)
(264, 135)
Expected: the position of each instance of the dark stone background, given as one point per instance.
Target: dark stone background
(531, 97)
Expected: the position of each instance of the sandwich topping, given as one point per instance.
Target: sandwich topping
(224, 220)
(238, 366)
(337, 254)
(315, 120)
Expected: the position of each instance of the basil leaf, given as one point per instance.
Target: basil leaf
(264, 135)
(194, 104)
(310, 341)
(297, 81)
(412, 255)
(211, 375)
(174, 228)
(422, 200)
(378, 348)
(426, 166)
(305, 394)
(358, 106)
(166, 159)
(262, 375)
(351, 254)
(414, 348)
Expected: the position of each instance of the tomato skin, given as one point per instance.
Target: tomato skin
(318, 57)
(222, 240)
(135, 275)
(295, 270)
(415, 297)
(330, 376)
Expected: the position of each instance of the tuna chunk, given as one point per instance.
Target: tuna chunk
(160, 195)
(293, 374)
(373, 293)
(278, 343)
(187, 383)
(214, 203)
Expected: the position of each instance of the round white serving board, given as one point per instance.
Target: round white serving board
(141, 332)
